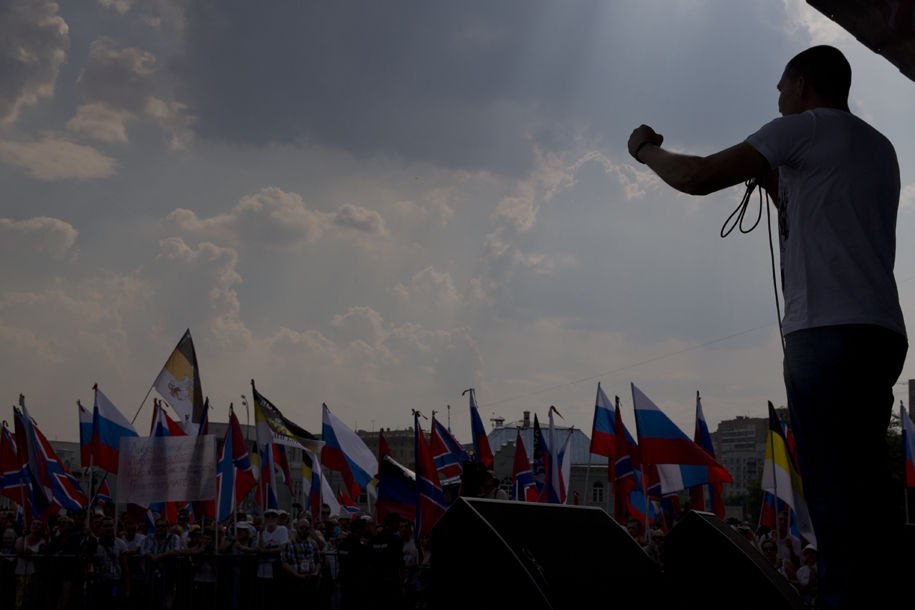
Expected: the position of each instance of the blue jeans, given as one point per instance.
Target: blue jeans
(839, 382)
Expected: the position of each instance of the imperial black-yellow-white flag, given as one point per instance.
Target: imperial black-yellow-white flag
(179, 381)
(781, 482)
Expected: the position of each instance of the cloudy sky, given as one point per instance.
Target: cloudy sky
(380, 204)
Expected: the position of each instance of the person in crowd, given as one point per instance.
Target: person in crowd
(807, 576)
(330, 570)
(182, 525)
(789, 546)
(111, 582)
(412, 585)
(284, 520)
(201, 553)
(784, 567)
(743, 528)
(8, 568)
(386, 560)
(300, 560)
(355, 567)
(654, 545)
(136, 563)
(240, 551)
(64, 548)
(636, 529)
(425, 568)
(159, 550)
(8, 521)
(29, 554)
(269, 545)
(489, 487)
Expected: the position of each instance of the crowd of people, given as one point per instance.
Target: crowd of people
(255, 561)
(258, 561)
(795, 558)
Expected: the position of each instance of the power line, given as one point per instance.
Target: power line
(648, 361)
(628, 366)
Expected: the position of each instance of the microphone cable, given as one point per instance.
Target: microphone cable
(736, 220)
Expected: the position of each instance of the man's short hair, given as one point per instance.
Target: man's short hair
(826, 70)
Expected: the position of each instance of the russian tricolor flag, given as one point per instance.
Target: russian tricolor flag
(482, 453)
(85, 435)
(346, 453)
(163, 424)
(603, 433)
(697, 494)
(108, 427)
(661, 442)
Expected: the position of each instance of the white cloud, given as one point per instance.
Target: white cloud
(519, 212)
(50, 236)
(276, 218)
(153, 13)
(360, 324)
(430, 288)
(54, 158)
(33, 46)
(121, 84)
(270, 217)
(207, 275)
(361, 219)
(435, 203)
(119, 6)
(100, 122)
(820, 28)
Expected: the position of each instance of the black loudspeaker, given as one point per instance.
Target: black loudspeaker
(708, 565)
(501, 554)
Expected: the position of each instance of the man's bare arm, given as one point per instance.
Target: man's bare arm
(697, 175)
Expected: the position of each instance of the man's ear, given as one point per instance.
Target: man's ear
(803, 88)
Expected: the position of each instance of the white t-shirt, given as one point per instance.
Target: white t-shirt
(803, 575)
(271, 540)
(136, 544)
(839, 192)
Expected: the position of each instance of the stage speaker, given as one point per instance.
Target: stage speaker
(708, 565)
(501, 554)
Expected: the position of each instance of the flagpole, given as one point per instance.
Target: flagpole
(148, 392)
(647, 501)
(905, 490)
(518, 488)
(22, 484)
(19, 472)
(611, 468)
(569, 457)
(774, 481)
(29, 517)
